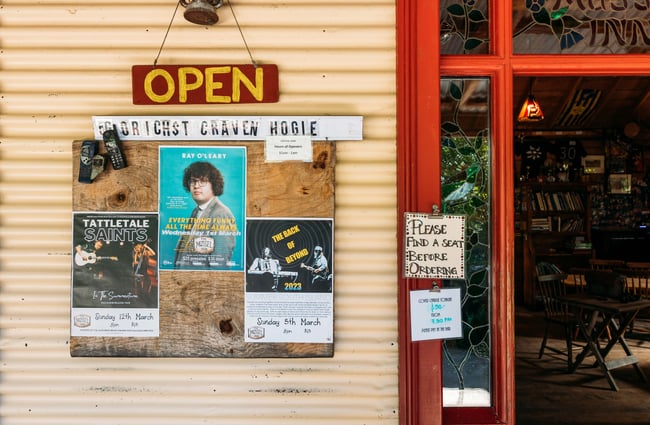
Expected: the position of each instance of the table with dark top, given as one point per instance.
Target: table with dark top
(606, 313)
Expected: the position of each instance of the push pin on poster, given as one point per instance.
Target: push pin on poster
(288, 148)
(436, 314)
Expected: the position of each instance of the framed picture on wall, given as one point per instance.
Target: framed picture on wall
(593, 164)
(617, 156)
(620, 183)
(636, 160)
(617, 165)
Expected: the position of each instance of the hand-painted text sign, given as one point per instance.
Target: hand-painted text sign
(220, 128)
(204, 84)
(434, 246)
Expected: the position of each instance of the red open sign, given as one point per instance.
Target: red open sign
(204, 84)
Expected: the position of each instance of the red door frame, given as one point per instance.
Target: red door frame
(418, 119)
(419, 68)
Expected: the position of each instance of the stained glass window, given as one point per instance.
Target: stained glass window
(464, 27)
(465, 178)
(581, 26)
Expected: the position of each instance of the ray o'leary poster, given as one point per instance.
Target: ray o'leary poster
(115, 274)
(202, 199)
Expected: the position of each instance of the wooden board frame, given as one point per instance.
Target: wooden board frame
(202, 312)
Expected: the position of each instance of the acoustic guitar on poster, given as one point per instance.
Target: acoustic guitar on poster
(314, 270)
(82, 258)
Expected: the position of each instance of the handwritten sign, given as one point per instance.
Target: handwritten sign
(434, 246)
(436, 314)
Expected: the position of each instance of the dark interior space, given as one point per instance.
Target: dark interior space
(546, 393)
(581, 193)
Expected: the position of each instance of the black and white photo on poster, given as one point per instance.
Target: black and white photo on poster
(289, 255)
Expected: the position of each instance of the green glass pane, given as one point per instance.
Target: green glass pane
(464, 27)
(580, 27)
(465, 164)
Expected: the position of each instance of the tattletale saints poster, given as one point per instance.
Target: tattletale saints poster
(202, 199)
(289, 280)
(115, 274)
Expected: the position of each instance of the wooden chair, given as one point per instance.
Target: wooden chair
(576, 282)
(638, 275)
(557, 313)
(637, 278)
(636, 265)
(637, 281)
(599, 264)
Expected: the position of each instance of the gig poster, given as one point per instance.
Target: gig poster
(202, 199)
(289, 280)
(115, 274)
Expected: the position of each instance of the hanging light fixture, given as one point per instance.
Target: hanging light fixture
(201, 12)
(530, 110)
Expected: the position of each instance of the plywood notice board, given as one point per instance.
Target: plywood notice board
(202, 312)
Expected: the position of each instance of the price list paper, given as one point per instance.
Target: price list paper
(434, 246)
(435, 314)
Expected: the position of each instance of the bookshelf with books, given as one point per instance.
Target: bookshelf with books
(555, 226)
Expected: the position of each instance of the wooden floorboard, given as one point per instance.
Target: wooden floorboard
(547, 394)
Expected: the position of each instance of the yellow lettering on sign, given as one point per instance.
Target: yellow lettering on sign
(184, 86)
(148, 89)
(257, 90)
(222, 84)
(211, 85)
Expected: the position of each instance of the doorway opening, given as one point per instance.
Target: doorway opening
(593, 146)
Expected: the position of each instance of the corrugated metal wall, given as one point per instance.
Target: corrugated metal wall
(61, 63)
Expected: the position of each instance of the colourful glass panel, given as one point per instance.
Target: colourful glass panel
(465, 178)
(581, 26)
(464, 27)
